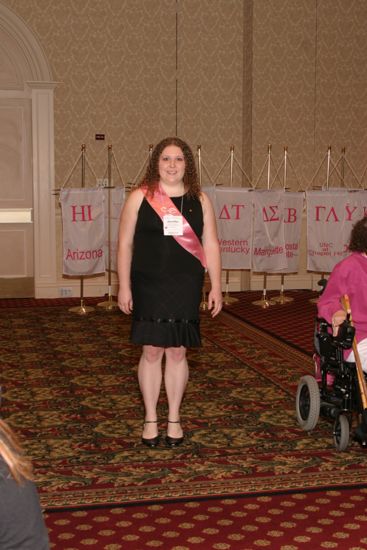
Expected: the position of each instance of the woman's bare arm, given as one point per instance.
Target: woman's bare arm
(128, 219)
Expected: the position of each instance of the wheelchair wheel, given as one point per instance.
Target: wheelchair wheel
(308, 402)
(341, 432)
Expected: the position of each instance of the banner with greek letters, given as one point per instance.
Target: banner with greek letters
(83, 231)
(331, 215)
(292, 219)
(116, 197)
(268, 244)
(233, 210)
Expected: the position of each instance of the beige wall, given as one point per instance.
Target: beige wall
(280, 72)
(310, 84)
(115, 61)
(246, 73)
(210, 67)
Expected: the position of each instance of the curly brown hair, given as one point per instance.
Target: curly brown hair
(358, 236)
(190, 178)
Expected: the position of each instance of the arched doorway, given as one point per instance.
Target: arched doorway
(27, 212)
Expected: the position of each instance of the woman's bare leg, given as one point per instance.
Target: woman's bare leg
(150, 381)
(175, 379)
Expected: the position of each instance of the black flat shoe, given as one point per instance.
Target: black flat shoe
(173, 441)
(152, 441)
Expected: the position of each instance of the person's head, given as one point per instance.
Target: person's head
(358, 236)
(11, 452)
(162, 152)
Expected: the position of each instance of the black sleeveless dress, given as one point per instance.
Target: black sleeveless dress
(166, 280)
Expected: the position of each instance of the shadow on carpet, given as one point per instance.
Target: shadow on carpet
(70, 389)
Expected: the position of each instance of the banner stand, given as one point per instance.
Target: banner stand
(201, 166)
(204, 304)
(281, 298)
(328, 165)
(82, 309)
(227, 299)
(264, 302)
(110, 304)
(332, 167)
(142, 168)
(206, 284)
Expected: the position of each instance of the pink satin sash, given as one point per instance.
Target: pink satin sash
(162, 205)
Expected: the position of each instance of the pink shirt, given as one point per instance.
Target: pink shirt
(348, 277)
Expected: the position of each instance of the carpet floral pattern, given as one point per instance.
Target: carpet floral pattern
(70, 390)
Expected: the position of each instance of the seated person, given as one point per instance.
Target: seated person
(349, 277)
(21, 522)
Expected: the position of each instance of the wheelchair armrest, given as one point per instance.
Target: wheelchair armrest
(322, 325)
(344, 338)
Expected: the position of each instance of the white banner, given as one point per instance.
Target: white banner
(210, 191)
(83, 231)
(292, 219)
(233, 211)
(268, 244)
(117, 198)
(331, 215)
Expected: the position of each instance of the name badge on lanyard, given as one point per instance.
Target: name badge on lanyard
(172, 225)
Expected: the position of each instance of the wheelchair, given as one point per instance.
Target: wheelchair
(334, 391)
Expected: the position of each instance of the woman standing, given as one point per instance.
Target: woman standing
(167, 238)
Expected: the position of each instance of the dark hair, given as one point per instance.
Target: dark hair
(190, 178)
(358, 236)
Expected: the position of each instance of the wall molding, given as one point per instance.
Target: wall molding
(39, 86)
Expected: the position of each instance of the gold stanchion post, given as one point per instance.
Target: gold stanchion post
(282, 298)
(227, 299)
(109, 304)
(264, 302)
(82, 309)
(206, 284)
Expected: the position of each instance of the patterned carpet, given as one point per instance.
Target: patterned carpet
(69, 388)
(298, 521)
(291, 322)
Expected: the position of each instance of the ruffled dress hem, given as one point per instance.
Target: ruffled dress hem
(171, 333)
